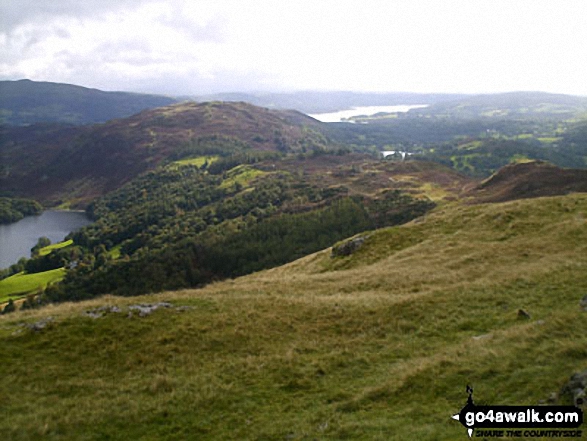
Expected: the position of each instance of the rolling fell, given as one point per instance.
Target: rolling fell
(375, 345)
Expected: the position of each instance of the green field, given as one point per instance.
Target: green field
(378, 345)
(114, 253)
(20, 284)
(241, 175)
(56, 246)
(197, 161)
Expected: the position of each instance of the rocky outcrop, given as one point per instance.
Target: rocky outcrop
(41, 324)
(348, 247)
(145, 309)
(101, 311)
(574, 390)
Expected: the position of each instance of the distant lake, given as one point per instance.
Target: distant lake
(17, 239)
(367, 110)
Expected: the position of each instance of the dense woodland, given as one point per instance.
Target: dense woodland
(14, 209)
(182, 226)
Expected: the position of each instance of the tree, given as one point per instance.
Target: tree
(41, 243)
(9, 307)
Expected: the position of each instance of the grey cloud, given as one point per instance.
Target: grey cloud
(192, 84)
(131, 51)
(14, 13)
(62, 33)
(178, 19)
(20, 43)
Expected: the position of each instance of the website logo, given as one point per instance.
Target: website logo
(504, 421)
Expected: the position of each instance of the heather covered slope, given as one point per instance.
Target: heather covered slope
(379, 344)
(57, 164)
(529, 180)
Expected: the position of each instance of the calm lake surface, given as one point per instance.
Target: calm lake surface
(17, 239)
(367, 110)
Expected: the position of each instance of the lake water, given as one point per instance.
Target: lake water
(17, 239)
(366, 110)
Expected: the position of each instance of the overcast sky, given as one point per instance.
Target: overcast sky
(195, 46)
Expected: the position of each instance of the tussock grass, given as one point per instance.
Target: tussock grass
(377, 346)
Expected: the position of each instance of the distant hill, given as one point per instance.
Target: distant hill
(26, 102)
(53, 163)
(319, 102)
(509, 105)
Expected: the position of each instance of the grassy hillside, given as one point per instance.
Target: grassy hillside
(527, 180)
(27, 102)
(21, 284)
(376, 345)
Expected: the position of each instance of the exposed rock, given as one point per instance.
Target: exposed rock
(145, 309)
(101, 311)
(41, 324)
(523, 314)
(183, 308)
(574, 389)
(584, 303)
(482, 336)
(348, 247)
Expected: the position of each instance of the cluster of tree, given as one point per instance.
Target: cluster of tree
(491, 154)
(182, 226)
(14, 209)
(514, 105)
(419, 133)
(220, 145)
(59, 258)
(10, 307)
(234, 249)
(68, 257)
(13, 269)
(173, 202)
(226, 163)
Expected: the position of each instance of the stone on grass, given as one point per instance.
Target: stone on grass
(348, 247)
(574, 389)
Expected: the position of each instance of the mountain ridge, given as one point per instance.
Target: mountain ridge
(25, 102)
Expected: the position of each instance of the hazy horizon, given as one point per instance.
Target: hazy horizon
(261, 93)
(226, 46)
